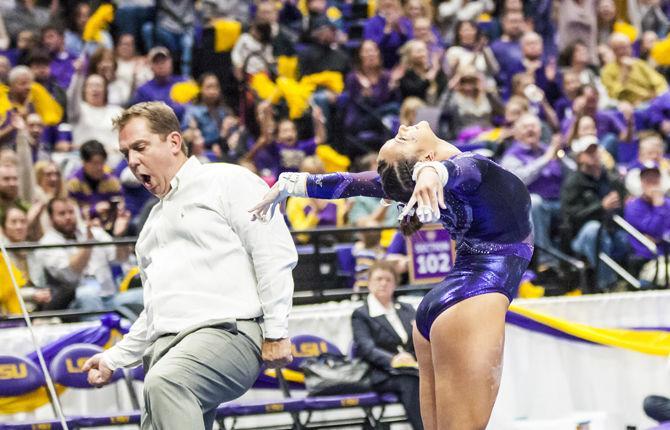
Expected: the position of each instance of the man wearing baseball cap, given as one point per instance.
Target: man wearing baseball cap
(649, 213)
(158, 89)
(590, 196)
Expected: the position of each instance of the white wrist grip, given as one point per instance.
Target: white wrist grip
(293, 184)
(440, 168)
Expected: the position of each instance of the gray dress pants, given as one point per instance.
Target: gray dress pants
(189, 374)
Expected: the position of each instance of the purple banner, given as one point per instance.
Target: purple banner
(431, 253)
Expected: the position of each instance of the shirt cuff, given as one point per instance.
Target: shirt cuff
(108, 357)
(275, 329)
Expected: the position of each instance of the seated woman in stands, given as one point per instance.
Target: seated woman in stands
(382, 331)
(14, 221)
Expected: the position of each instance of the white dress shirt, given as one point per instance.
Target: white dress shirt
(376, 309)
(56, 262)
(201, 258)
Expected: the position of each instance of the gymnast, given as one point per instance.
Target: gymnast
(460, 324)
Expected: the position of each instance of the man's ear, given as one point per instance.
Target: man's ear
(175, 140)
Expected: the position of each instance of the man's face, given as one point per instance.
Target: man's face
(586, 127)
(589, 162)
(382, 285)
(513, 25)
(42, 71)
(528, 131)
(35, 126)
(531, 47)
(422, 29)
(267, 13)
(95, 167)
(125, 47)
(621, 48)
(150, 157)
(9, 183)
(53, 41)
(651, 183)
(651, 149)
(287, 134)
(161, 66)
(20, 88)
(63, 218)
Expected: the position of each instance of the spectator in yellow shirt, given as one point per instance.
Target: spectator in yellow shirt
(629, 79)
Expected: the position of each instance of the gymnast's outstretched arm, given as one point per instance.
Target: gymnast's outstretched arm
(328, 186)
(463, 175)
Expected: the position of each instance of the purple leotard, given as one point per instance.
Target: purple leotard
(487, 214)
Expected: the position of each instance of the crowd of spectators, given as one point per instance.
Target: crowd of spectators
(570, 95)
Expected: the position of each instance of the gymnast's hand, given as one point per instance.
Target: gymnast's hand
(428, 196)
(99, 373)
(288, 184)
(276, 353)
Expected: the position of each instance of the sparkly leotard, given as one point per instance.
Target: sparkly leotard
(487, 215)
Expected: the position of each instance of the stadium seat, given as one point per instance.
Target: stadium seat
(20, 376)
(306, 346)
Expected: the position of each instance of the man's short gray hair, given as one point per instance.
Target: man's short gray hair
(18, 72)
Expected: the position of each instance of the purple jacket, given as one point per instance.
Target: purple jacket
(278, 158)
(62, 68)
(607, 122)
(155, 90)
(651, 220)
(388, 43)
(658, 110)
(540, 178)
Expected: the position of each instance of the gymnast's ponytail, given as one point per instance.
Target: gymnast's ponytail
(398, 185)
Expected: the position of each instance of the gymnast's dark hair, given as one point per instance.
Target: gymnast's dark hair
(398, 185)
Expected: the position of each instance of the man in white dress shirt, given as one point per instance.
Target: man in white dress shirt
(217, 287)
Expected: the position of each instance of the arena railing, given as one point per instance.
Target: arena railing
(320, 241)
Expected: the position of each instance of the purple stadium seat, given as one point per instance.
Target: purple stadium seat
(343, 401)
(260, 407)
(66, 366)
(389, 398)
(33, 425)
(109, 420)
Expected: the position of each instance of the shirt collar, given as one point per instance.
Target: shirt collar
(185, 171)
(375, 307)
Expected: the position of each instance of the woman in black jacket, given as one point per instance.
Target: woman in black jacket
(382, 331)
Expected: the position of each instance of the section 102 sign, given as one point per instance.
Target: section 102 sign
(431, 253)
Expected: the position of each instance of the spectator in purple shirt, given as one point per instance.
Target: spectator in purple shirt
(62, 67)
(284, 153)
(91, 187)
(649, 213)
(387, 31)
(370, 97)
(658, 114)
(507, 49)
(538, 166)
(158, 89)
(609, 123)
